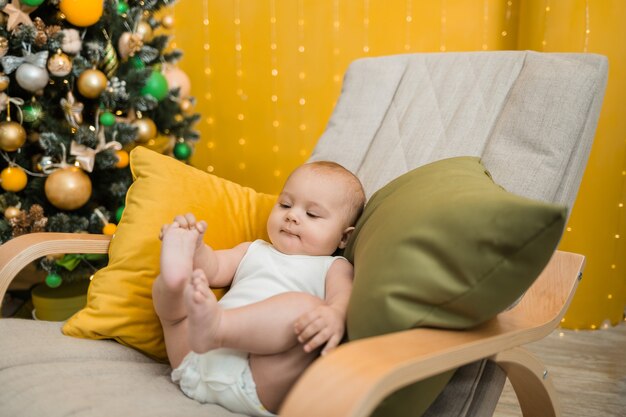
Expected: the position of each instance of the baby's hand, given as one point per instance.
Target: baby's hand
(323, 325)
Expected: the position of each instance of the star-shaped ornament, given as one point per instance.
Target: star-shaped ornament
(18, 14)
(73, 110)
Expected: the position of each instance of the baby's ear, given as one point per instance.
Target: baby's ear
(345, 236)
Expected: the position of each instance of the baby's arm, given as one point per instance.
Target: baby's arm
(219, 266)
(326, 324)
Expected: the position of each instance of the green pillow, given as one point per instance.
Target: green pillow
(444, 246)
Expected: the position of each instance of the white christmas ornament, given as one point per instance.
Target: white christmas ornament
(176, 78)
(31, 77)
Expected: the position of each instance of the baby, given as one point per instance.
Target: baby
(287, 300)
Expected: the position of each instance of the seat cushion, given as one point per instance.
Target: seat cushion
(45, 373)
(473, 391)
(119, 300)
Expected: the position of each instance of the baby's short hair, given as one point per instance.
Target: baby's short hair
(355, 196)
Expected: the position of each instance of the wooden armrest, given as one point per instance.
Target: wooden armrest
(22, 250)
(354, 378)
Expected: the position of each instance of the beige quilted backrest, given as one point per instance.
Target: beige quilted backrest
(529, 115)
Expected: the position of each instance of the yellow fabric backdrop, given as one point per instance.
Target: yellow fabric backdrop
(266, 75)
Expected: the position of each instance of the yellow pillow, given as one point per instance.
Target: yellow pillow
(119, 300)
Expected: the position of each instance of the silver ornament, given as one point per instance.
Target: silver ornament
(31, 77)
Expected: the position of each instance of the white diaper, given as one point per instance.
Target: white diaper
(223, 377)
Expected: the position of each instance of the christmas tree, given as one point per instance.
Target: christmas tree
(83, 82)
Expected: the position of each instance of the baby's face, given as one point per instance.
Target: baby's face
(309, 217)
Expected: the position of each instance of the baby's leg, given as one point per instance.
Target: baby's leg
(177, 253)
(274, 375)
(263, 328)
(204, 314)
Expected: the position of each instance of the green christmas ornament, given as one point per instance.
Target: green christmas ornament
(182, 151)
(156, 86)
(122, 7)
(32, 112)
(118, 213)
(53, 280)
(32, 3)
(137, 63)
(107, 119)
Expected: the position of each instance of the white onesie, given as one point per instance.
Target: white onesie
(223, 376)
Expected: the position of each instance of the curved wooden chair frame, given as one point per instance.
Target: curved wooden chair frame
(358, 375)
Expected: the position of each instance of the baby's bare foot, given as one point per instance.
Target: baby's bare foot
(203, 314)
(177, 252)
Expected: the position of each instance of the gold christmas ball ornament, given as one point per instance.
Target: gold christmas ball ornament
(4, 81)
(91, 83)
(4, 46)
(167, 21)
(68, 188)
(11, 212)
(59, 64)
(146, 129)
(144, 30)
(13, 178)
(12, 136)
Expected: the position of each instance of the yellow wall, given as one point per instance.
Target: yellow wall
(596, 227)
(266, 75)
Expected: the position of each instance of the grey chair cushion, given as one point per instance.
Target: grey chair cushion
(530, 116)
(473, 391)
(44, 373)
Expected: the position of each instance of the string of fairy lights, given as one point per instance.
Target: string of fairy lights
(544, 41)
(274, 85)
(485, 44)
(408, 25)
(444, 21)
(243, 97)
(302, 76)
(302, 127)
(409, 22)
(366, 26)
(336, 38)
(208, 72)
(507, 18)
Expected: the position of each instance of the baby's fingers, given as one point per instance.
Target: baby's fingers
(318, 340)
(309, 330)
(332, 343)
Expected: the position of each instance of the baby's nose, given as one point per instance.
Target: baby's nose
(291, 216)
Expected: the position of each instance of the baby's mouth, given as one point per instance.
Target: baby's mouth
(287, 232)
